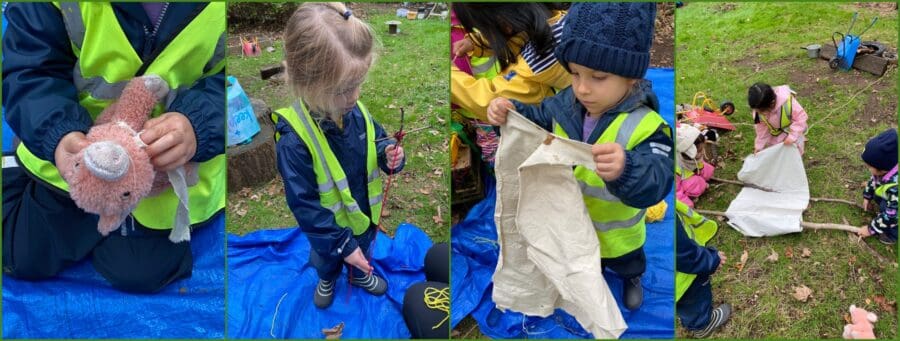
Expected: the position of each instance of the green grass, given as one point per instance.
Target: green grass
(410, 72)
(722, 49)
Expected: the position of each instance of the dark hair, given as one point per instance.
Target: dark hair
(760, 96)
(490, 19)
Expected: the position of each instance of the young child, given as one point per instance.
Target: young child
(610, 106)
(777, 115)
(519, 38)
(695, 263)
(691, 171)
(329, 147)
(880, 156)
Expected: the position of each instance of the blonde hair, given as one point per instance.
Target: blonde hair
(326, 48)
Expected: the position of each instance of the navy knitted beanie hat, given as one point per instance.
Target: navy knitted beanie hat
(613, 37)
(881, 151)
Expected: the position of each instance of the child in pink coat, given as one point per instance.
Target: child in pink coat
(778, 116)
(691, 171)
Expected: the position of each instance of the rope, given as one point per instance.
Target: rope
(272, 330)
(845, 103)
(438, 300)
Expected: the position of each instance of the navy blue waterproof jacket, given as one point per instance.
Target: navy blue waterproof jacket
(39, 96)
(302, 191)
(648, 176)
(690, 257)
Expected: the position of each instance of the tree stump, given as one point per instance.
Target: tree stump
(253, 163)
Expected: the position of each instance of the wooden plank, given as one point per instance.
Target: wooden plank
(269, 71)
(865, 62)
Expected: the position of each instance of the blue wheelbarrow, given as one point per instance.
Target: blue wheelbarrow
(846, 50)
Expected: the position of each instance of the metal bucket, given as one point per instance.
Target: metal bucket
(812, 51)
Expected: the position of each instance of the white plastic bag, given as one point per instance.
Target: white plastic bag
(549, 252)
(242, 123)
(777, 194)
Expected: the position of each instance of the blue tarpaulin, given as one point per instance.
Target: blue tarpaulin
(271, 284)
(475, 251)
(79, 303)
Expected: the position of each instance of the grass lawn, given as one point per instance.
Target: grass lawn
(723, 48)
(410, 72)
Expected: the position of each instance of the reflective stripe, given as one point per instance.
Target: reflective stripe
(484, 67)
(74, 22)
(375, 201)
(612, 225)
(336, 207)
(10, 162)
(374, 175)
(631, 123)
(100, 89)
(329, 180)
(218, 55)
(601, 193)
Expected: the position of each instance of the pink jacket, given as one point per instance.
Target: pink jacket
(798, 121)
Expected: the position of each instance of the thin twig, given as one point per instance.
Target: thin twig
(733, 182)
(841, 201)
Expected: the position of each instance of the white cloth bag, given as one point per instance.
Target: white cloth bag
(777, 194)
(549, 252)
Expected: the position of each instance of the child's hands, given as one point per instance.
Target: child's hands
(462, 47)
(722, 258)
(610, 159)
(358, 260)
(866, 205)
(68, 146)
(394, 156)
(170, 140)
(789, 140)
(864, 232)
(498, 109)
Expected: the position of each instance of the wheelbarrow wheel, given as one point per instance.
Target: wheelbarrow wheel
(726, 108)
(834, 63)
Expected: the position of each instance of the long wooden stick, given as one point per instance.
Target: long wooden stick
(805, 224)
(841, 201)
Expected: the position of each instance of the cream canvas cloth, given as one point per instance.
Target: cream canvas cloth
(549, 252)
(777, 194)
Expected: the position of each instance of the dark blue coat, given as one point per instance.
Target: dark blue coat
(40, 99)
(648, 176)
(690, 257)
(302, 191)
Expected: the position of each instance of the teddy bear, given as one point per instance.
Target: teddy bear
(862, 327)
(113, 173)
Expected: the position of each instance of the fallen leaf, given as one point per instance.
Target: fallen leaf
(335, 332)
(773, 257)
(789, 252)
(740, 265)
(806, 252)
(437, 219)
(887, 306)
(802, 293)
(254, 197)
(182, 290)
(385, 212)
(424, 190)
(241, 212)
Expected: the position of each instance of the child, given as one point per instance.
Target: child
(519, 37)
(327, 152)
(880, 156)
(691, 171)
(777, 115)
(695, 263)
(610, 106)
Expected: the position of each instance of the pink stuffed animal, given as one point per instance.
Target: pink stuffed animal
(862, 327)
(112, 174)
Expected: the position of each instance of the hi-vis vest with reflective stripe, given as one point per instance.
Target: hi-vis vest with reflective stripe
(334, 191)
(786, 115)
(620, 227)
(881, 191)
(687, 173)
(700, 230)
(484, 67)
(106, 62)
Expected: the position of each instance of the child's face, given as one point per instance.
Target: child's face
(875, 171)
(345, 97)
(598, 91)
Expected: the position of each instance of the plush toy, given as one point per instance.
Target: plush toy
(112, 174)
(862, 327)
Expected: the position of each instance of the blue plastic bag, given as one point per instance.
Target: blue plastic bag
(242, 123)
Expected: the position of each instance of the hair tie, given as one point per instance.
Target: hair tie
(347, 14)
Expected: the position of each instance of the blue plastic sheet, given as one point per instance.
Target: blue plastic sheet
(271, 284)
(475, 251)
(79, 303)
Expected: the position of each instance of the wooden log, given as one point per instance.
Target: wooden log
(863, 62)
(253, 163)
(271, 70)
